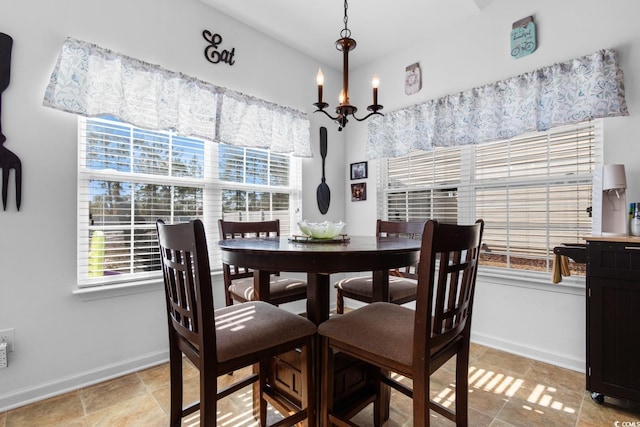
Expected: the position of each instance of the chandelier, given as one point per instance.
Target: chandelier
(344, 109)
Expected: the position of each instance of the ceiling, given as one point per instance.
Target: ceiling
(378, 26)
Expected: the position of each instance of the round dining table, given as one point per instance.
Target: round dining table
(318, 259)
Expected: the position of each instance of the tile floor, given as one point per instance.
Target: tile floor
(505, 390)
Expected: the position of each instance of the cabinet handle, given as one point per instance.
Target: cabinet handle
(632, 248)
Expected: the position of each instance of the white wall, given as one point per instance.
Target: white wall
(534, 319)
(64, 342)
(61, 340)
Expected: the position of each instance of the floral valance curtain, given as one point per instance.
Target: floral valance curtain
(585, 88)
(91, 81)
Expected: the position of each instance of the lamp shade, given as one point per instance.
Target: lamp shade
(613, 177)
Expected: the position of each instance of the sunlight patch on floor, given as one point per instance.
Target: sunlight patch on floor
(485, 380)
(491, 381)
(540, 396)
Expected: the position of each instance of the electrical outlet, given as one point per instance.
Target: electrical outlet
(8, 336)
(3, 355)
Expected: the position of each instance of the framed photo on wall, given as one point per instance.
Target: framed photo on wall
(359, 170)
(358, 191)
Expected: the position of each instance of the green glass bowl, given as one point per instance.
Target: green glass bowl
(321, 230)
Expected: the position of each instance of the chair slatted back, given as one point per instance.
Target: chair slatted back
(408, 229)
(188, 292)
(241, 230)
(446, 283)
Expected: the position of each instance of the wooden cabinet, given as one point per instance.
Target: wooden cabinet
(613, 319)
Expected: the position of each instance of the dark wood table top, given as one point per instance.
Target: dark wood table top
(360, 253)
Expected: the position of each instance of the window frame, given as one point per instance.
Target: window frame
(210, 184)
(468, 187)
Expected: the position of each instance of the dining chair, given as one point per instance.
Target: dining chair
(402, 281)
(414, 343)
(238, 280)
(221, 341)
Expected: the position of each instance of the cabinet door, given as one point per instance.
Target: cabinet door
(613, 312)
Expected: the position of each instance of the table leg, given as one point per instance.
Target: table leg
(317, 311)
(380, 285)
(317, 297)
(261, 280)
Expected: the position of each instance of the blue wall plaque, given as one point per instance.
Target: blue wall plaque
(523, 37)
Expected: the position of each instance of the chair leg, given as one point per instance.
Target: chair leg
(327, 382)
(227, 296)
(462, 386)
(421, 400)
(258, 387)
(339, 302)
(263, 386)
(175, 378)
(208, 399)
(381, 404)
(307, 384)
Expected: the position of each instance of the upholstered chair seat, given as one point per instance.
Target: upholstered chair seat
(280, 288)
(401, 289)
(402, 281)
(238, 280)
(244, 329)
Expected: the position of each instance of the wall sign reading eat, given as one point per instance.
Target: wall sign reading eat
(213, 53)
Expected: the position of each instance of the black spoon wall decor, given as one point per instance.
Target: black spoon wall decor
(323, 192)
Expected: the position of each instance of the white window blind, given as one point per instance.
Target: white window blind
(534, 192)
(130, 177)
(249, 179)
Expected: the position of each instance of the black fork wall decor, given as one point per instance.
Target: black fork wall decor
(8, 159)
(323, 192)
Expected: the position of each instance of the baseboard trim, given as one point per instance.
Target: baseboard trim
(43, 391)
(557, 359)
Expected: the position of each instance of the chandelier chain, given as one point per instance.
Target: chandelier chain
(346, 33)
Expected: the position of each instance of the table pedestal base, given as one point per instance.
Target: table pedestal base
(354, 386)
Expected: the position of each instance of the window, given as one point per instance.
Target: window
(129, 177)
(534, 192)
(247, 174)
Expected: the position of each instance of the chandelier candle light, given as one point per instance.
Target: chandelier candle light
(344, 109)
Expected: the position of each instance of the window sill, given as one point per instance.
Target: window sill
(91, 293)
(117, 290)
(573, 285)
